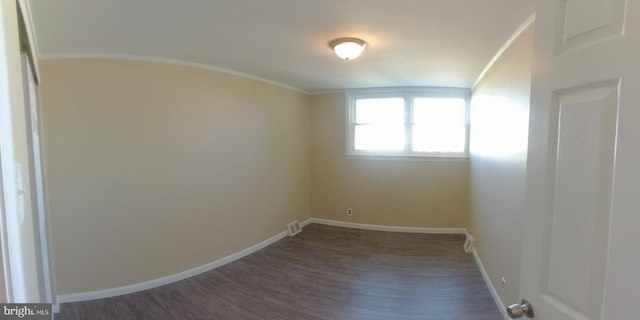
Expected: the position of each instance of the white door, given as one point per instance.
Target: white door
(580, 255)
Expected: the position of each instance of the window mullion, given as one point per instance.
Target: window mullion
(408, 123)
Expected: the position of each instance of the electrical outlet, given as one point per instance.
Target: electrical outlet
(503, 284)
(349, 212)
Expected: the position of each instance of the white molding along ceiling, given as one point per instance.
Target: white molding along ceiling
(410, 43)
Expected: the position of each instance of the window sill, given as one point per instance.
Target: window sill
(409, 158)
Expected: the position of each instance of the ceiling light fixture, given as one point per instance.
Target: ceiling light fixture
(348, 48)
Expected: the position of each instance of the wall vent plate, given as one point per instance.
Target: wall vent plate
(294, 228)
(468, 245)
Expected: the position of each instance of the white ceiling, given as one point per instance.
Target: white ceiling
(411, 42)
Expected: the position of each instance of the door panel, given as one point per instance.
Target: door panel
(583, 164)
(581, 23)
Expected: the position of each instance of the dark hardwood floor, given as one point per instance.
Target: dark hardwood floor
(325, 273)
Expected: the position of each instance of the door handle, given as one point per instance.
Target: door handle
(516, 311)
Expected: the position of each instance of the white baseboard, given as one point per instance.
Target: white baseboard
(472, 249)
(100, 294)
(492, 289)
(376, 227)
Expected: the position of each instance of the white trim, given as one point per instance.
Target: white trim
(430, 158)
(9, 224)
(376, 227)
(305, 222)
(42, 246)
(100, 294)
(130, 57)
(408, 95)
(525, 25)
(487, 281)
(25, 10)
(434, 91)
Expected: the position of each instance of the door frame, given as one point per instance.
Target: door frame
(15, 24)
(9, 224)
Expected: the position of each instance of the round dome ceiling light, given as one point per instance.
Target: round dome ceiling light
(348, 48)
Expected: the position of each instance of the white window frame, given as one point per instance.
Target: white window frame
(408, 94)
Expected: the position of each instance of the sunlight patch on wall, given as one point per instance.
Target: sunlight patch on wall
(499, 127)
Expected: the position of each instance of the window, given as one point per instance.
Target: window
(424, 123)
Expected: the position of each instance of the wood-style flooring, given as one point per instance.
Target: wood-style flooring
(322, 273)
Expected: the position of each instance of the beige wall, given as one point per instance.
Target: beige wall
(499, 120)
(384, 192)
(153, 169)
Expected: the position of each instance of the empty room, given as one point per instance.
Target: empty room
(294, 159)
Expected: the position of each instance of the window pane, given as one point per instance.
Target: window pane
(385, 110)
(379, 137)
(439, 138)
(439, 110)
(439, 125)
